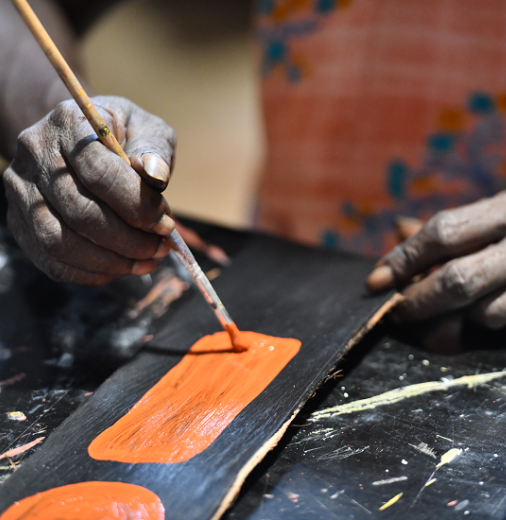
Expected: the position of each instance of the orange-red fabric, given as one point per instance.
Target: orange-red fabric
(378, 108)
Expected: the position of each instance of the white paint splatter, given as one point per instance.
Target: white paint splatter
(399, 394)
(424, 448)
(449, 456)
(389, 481)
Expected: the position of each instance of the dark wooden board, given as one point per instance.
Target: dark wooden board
(347, 466)
(273, 287)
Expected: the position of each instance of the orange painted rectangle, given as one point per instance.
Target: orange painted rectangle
(195, 401)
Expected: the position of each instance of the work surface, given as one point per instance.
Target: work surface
(346, 465)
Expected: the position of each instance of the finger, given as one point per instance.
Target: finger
(149, 134)
(448, 234)
(57, 271)
(108, 177)
(52, 238)
(407, 226)
(93, 219)
(441, 334)
(491, 310)
(455, 285)
(149, 141)
(154, 171)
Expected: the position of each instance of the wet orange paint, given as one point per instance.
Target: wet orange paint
(193, 403)
(89, 501)
(240, 342)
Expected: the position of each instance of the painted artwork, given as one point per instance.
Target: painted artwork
(186, 411)
(89, 501)
(182, 415)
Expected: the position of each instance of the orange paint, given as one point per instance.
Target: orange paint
(89, 501)
(240, 340)
(193, 403)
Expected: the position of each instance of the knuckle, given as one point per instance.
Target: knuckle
(455, 284)
(403, 259)
(63, 112)
(50, 237)
(82, 217)
(28, 139)
(442, 229)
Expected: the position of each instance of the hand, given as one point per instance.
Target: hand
(78, 210)
(469, 245)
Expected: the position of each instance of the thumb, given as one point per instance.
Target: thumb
(153, 169)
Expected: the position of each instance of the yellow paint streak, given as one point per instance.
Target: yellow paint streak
(449, 456)
(429, 482)
(391, 502)
(399, 394)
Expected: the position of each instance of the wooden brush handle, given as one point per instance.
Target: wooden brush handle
(71, 82)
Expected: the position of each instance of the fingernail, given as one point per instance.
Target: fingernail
(141, 267)
(163, 249)
(408, 226)
(381, 278)
(156, 167)
(165, 226)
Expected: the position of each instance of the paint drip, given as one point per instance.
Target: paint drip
(89, 501)
(195, 401)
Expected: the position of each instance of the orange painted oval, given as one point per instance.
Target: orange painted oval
(196, 400)
(89, 501)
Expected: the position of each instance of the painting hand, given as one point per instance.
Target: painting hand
(78, 210)
(464, 252)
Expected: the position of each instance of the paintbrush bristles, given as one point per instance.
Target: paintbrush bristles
(68, 77)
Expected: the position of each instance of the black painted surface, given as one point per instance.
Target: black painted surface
(58, 343)
(293, 481)
(340, 467)
(273, 287)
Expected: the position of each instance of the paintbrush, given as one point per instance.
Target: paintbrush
(180, 249)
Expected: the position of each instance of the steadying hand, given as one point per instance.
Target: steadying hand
(79, 211)
(464, 253)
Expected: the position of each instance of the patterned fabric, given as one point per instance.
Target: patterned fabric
(376, 109)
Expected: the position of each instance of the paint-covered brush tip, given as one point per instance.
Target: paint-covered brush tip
(239, 342)
(238, 345)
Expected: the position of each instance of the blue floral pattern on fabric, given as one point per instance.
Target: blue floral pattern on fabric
(282, 21)
(461, 163)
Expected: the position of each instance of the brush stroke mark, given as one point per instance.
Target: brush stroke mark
(195, 401)
(446, 458)
(391, 502)
(423, 447)
(90, 500)
(13, 379)
(21, 449)
(342, 453)
(167, 290)
(389, 481)
(406, 392)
